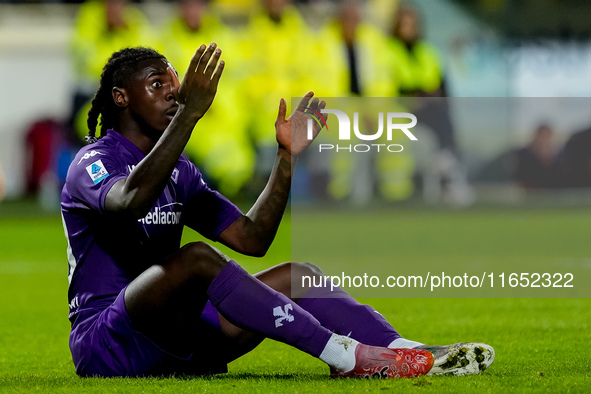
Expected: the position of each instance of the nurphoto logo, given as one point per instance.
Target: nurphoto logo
(345, 131)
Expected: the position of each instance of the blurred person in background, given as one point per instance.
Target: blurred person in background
(101, 28)
(536, 164)
(353, 53)
(418, 65)
(356, 66)
(275, 49)
(575, 160)
(236, 7)
(418, 69)
(226, 155)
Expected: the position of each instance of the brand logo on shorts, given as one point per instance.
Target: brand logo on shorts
(97, 171)
(74, 304)
(90, 154)
(282, 314)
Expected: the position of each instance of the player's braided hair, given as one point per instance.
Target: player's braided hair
(121, 67)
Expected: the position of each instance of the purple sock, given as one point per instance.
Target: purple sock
(249, 303)
(342, 314)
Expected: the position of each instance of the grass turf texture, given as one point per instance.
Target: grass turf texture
(541, 344)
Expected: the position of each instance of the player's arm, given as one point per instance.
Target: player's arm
(136, 194)
(253, 233)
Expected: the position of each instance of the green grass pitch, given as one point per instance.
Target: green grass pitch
(541, 344)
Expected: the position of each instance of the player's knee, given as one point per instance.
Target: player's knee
(300, 270)
(302, 273)
(311, 269)
(203, 260)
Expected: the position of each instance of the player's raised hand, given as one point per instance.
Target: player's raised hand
(292, 133)
(200, 84)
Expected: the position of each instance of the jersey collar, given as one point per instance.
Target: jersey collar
(134, 150)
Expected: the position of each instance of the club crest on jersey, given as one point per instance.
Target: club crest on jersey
(175, 175)
(97, 171)
(88, 155)
(282, 314)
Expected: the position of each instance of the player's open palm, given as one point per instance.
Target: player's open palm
(292, 133)
(200, 84)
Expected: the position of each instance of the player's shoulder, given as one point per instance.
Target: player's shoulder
(105, 147)
(184, 161)
(190, 173)
(187, 166)
(89, 153)
(102, 154)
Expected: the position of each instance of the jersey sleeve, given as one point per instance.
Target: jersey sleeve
(90, 179)
(208, 212)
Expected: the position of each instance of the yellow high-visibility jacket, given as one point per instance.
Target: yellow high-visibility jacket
(92, 43)
(278, 60)
(417, 69)
(220, 144)
(375, 73)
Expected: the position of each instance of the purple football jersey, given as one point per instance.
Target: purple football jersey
(107, 251)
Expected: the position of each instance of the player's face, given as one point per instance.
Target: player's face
(151, 101)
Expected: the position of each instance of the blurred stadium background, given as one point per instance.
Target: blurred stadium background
(51, 53)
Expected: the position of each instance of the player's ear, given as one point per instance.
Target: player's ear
(119, 97)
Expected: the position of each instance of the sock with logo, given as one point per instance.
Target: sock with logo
(342, 314)
(249, 303)
(339, 353)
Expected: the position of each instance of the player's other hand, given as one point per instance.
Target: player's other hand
(292, 133)
(200, 84)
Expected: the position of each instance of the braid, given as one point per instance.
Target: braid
(120, 68)
(93, 115)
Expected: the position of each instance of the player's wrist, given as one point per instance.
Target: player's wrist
(187, 117)
(285, 155)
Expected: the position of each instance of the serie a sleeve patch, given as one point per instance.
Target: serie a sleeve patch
(97, 171)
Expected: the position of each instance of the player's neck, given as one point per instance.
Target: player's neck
(134, 133)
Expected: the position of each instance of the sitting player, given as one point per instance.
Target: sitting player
(142, 305)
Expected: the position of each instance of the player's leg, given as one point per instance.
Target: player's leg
(336, 310)
(342, 314)
(333, 307)
(162, 297)
(165, 301)
(339, 312)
